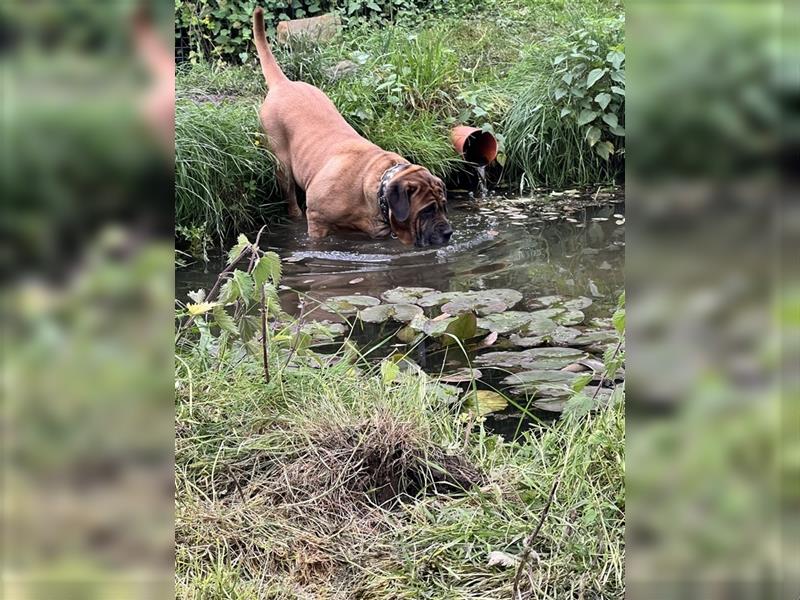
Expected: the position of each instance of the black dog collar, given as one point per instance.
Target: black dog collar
(383, 202)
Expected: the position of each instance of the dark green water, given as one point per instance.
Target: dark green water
(519, 243)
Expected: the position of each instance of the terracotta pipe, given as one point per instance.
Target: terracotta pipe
(475, 145)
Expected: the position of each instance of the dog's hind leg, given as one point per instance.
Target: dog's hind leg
(289, 189)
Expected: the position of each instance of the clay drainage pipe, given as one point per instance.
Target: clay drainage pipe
(474, 145)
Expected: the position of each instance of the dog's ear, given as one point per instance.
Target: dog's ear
(399, 202)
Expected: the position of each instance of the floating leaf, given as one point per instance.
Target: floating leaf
(383, 312)
(461, 328)
(534, 358)
(347, 305)
(488, 340)
(594, 337)
(558, 335)
(537, 376)
(405, 295)
(484, 402)
(483, 302)
(506, 321)
(461, 376)
(408, 335)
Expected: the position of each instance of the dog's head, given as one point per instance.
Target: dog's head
(418, 207)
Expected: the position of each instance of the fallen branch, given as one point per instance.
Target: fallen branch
(527, 544)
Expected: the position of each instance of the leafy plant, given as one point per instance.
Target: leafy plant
(567, 126)
(233, 316)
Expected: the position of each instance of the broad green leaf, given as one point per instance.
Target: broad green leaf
(616, 58)
(225, 321)
(604, 150)
(594, 76)
(603, 99)
(619, 320)
(389, 371)
(618, 90)
(463, 328)
(484, 402)
(243, 283)
(586, 117)
(565, 111)
(559, 93)
(618, 131)
(241, 243)
(611, 119)
(579, 405)
(593, 135)
(267, 267)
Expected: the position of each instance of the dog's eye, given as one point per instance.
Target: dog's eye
(428, 211)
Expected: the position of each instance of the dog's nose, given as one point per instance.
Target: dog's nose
(446, 234)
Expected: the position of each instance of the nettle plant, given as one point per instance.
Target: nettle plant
(591, 92)
(242, 314)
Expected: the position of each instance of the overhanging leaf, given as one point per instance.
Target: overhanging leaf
(241, 244)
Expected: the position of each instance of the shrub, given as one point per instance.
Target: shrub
(568, 125)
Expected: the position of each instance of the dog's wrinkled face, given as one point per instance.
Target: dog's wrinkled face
(418, 208)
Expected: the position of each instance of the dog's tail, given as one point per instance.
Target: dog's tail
(269, 66)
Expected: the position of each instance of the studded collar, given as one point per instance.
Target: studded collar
(383, 201)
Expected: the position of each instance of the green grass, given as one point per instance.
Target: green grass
(223, 175)
(323, 484)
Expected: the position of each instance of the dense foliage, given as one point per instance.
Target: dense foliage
(221, 29)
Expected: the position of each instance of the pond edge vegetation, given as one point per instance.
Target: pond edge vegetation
(548, 83)
(374, 480)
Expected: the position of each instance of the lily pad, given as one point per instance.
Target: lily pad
(461, 376)
(505, 322)
(321, 331)
(408, 335)
(558, 403)
(348, 305)
(569, 316)
(578, 303)
(484, 402)
(405, 295)
(483, 302)
(461, 328)
(539, 376)
(558, 335)
(534, 358)
(595, 337)
(383, 312)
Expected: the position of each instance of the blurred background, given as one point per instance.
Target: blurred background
(713, 299)
(713, 464)
(87, 254)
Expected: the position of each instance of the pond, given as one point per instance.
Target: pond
(565, 244)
